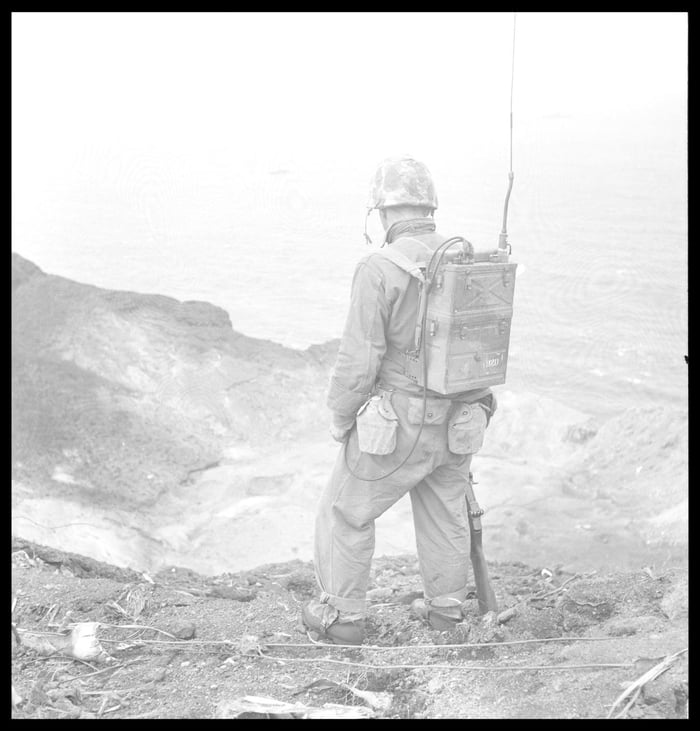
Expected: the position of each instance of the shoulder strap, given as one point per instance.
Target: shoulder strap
(403, 262)
(395, 255)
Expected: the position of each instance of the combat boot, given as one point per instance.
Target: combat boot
(443, 613)
(340, 628)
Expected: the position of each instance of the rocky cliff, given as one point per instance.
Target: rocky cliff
(120, 397)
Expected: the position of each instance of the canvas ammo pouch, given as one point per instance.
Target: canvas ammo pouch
(377, 423)
(436, 410)
(466, 428)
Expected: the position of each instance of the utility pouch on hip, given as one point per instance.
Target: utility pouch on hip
(466, 428)
(376, 425)
(436, 410)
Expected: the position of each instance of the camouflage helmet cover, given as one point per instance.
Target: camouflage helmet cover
(402, 181)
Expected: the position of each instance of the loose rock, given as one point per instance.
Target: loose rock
(185, 631)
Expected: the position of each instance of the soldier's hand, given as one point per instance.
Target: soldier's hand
(340, 434)
(494, 404)
(489, 405)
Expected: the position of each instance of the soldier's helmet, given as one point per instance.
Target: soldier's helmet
(402, 181)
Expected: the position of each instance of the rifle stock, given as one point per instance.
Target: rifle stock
(484, 591)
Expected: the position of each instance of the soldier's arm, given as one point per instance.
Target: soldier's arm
(362, 345)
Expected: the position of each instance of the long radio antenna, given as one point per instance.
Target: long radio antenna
(503, 237)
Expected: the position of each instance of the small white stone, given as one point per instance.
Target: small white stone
(434, 685)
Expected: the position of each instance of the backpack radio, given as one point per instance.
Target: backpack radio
(464, 319)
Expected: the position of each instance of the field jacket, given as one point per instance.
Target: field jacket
(380, 326)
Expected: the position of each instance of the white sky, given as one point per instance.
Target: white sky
(327, 84)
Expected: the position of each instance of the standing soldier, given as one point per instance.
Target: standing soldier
(378, 412)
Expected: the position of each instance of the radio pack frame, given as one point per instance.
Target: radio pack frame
(463, 325)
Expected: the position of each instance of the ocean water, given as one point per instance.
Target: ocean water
(598, 226)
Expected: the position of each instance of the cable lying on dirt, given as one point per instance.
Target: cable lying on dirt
(497, 668)
(466, 645)
(447, 646)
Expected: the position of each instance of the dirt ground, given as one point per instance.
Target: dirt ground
(181, 645)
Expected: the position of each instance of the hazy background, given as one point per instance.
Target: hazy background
(227, 157)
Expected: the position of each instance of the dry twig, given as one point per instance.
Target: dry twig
(112, 709)
(554, 591)
(139, 626)
(116, 692)
(88, 675)
(635, 688)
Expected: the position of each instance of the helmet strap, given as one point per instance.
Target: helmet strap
(368, 241)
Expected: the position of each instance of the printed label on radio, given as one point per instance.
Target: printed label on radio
(492, 361)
